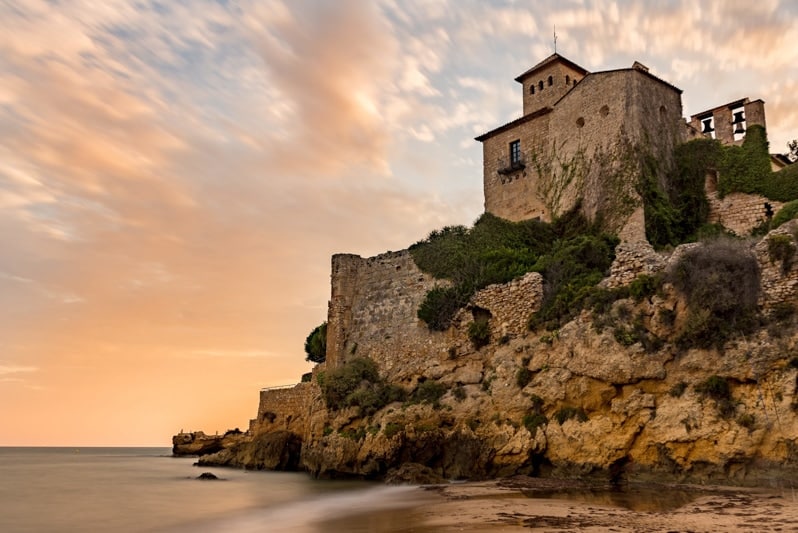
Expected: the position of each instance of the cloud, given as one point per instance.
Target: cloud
(9, 369)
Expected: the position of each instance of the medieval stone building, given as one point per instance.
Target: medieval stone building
(584, 136)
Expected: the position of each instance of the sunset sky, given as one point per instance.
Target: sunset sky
(174, 175)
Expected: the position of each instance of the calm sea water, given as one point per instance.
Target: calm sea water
(145, 489)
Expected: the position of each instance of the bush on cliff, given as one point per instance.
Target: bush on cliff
(357, 383)
(570, 254)
(721, 282)
(316, 344)
(787, 212)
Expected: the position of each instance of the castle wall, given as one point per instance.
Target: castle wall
(740, 212)
(373, 309)
(283, 409)
(378, 318)
(511, 304)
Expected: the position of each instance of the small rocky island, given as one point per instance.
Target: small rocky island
(625, 309)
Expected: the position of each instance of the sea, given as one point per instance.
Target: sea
(147, 490)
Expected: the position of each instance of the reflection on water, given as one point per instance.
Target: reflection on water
(635, 497)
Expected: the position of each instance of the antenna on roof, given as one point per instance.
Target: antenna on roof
(555, 38)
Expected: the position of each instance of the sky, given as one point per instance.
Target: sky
(175, 175)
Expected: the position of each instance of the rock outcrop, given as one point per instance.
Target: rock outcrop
(594, 398)
(198, 443)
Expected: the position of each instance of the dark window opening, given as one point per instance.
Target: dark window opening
(567, 79)
(551, 81)
(532, 89)
(515, 152)
(540, 85)
(768, 211)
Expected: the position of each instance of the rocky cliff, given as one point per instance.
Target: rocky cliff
(615, 392)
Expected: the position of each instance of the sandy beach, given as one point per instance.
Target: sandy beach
(527, 504)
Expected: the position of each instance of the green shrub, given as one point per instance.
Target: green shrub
(747, 421)
(781, 248)
(459, 393)
(720, 280)
(357, 383)
(570, 273)
(479, 333)
(523, 377)
(316, 344)
(306, 377)
(567, 413)
(429, 392)
(717, 388)
(532, 421)
(493, 251)
(644, 286)
(392, 428)
(677, 390)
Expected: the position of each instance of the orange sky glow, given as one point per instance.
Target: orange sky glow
(174, 178)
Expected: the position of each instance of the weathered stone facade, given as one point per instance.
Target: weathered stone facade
(738, 212)
(586, 144)
(374, 303)
(284, 408)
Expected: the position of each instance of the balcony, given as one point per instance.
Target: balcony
(508, 166)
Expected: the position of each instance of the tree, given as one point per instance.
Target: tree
(793, 155)
(316, 344)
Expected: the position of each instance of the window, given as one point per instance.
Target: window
(567, 79)
(551, 81)
(540, 85)
(515, 153)
(532, 89)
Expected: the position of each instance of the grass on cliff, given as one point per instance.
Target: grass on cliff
(570, 253)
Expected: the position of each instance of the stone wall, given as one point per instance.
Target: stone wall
(779, 285)
(283, 409)
(373, 313)
(373, 309)
(738, 212)
(511, 304)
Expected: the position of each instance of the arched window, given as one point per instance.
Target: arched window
(567, 79)
(532, 89)
(540, 85)
(551, 81)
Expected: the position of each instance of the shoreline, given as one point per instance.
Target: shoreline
(524, 504)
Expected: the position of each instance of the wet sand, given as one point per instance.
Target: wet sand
(529, 504)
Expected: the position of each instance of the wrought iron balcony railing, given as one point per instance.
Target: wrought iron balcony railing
(508, 165)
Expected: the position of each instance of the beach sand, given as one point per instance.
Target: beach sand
(531, 504)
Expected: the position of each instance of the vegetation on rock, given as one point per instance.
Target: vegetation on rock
(357, 383)
(721, 282)
(316, 344)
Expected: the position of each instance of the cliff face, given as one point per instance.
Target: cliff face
(590, 398)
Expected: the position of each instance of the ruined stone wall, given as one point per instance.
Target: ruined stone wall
(779, 284)
(511, 304)
(283, 409)
(373, 309)
(740, 212)
(378, 317)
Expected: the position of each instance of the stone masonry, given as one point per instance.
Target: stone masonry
(569, 143)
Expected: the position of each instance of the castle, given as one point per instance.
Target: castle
(579, 128)
(583, 139)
